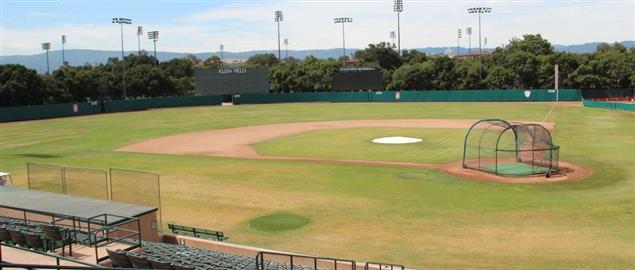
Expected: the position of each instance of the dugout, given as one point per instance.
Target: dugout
(71, 210)
(514, 149)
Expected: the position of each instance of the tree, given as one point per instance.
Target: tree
(262, 60)
(382, 54)
(501, 78)
(533, 44)
(21, 86)
(414, 77)
(212, 62)
(414, 56)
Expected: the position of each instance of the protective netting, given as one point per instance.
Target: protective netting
(136, 187)
(86, 182)
(45, 177)
(506, 148)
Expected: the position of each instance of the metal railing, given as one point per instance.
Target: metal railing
(107, 230)
(57, 258)
(383, 266)
(316, 261)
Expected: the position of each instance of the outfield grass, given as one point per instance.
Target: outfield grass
(420, 218)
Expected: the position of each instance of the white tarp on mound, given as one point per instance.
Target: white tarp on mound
(397, 140)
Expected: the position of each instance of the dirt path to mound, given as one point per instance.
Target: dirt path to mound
(237, 142)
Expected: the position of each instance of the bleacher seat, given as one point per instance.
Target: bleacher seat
(119, 259)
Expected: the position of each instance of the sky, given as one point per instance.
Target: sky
(202, 26)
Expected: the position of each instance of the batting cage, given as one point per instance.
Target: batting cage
(501, 147)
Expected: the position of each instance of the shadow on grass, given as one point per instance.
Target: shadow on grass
(38, 155)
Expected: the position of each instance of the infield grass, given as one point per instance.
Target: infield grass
(419, 218)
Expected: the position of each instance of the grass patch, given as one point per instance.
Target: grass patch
(279, 222)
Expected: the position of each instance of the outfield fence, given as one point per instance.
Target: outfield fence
(116, 184)
(622, 106)
(87, 108)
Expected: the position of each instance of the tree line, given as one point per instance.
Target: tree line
(526, 63)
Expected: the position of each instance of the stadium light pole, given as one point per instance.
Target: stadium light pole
(286, 48)
(222, 47)
(278, 19)
(468, 31)
(139, 34)
(458, 43)
(47, 46)
(398, 7)
(154, 36)
(392, 37)
(343, 21)
(63, 54)
(479, 11)
(121, 22)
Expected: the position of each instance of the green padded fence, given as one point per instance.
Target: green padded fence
(301, 97)
(155, 103)
(74, 109)
(623, 106)
(535, 95)
(48, 111)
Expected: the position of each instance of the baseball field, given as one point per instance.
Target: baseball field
(290, 193)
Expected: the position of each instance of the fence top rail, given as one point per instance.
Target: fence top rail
(135, 171)
(43, 164)
(262, 253)
(90, 265)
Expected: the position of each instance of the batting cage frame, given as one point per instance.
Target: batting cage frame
(514, 149)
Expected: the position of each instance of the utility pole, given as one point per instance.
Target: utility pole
(343, 21)
(479, 11)
(63, 55)
(398, 7)
(139, 34)
(468, 31)
(278, 18)
(458, 44)
(154, 36)
(121, 22)
(286, 48)
(47, 46)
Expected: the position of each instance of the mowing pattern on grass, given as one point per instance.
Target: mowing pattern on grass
(279, 222)
(367, 212)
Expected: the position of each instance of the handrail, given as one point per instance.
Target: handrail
(46, 266)
(107, 229)
(260, 260)
(382, 265)
(57, 257)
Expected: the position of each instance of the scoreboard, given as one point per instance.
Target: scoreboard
(358, 78)
(228, 81)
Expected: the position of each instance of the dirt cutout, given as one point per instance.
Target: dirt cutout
(237, 142)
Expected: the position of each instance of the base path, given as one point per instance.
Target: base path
(237, 142)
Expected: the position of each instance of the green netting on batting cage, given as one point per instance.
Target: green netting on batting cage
(501, 147)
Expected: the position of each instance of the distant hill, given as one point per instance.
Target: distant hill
(81, 57)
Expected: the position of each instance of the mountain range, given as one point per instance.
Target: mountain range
(84, 56)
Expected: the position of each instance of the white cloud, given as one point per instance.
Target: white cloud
(308, 24)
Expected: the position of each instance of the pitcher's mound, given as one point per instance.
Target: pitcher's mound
(397, 140)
